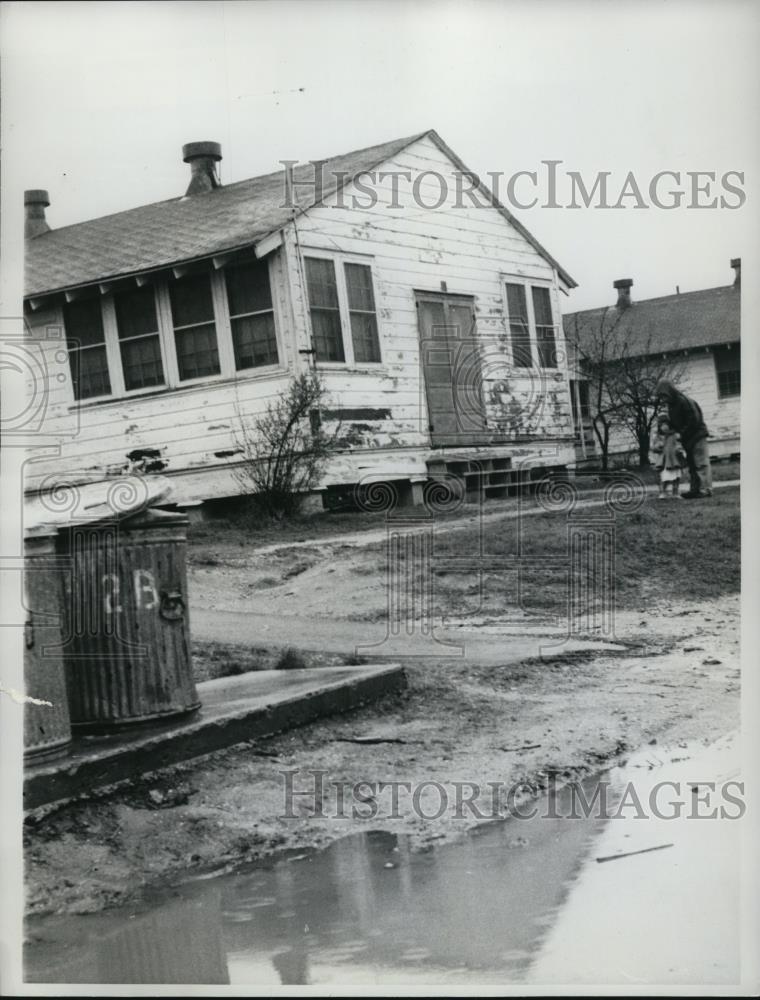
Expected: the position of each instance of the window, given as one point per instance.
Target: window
(361, 310)
(542, 311)
(249, 296)
(531, 325)
(518, 325)
(86, 341)
(579, 399)
(167, 332)
(139, 339)
(325, 309)
(194, 327)
(728, 370)
(342, 302)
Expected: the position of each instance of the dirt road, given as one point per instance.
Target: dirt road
(457, 723)
(502, 713)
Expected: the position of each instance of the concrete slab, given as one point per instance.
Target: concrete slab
(233, 709)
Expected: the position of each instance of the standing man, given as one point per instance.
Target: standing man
(685, 417)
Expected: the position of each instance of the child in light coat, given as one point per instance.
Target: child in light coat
(672, 459)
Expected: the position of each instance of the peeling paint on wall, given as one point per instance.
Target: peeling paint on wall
(145, 460)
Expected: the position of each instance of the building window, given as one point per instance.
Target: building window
(579, 399)
(86, 341)
(343, 313)
(542, 311)
(325, 309)
(531, 325)
(728, 370)
(204, 324)
(519, 327)
(139, 339)
(194, 326)
(361, 311)
(249, 296)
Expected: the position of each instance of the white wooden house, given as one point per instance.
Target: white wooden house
(699, 333)
(431, 312)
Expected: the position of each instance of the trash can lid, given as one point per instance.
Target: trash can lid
(153, 518)
(64, 505)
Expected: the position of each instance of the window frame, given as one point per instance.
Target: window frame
(273, 365)
(166, 338)
(528, 285)
(339, 260)
(72, 339)
(727, 350)
(111, 321)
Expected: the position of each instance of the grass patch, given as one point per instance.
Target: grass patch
(666, 551)
(244, 525)
(230, 659)
(216, 659)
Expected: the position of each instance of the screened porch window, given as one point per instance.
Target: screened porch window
(325, 309)
(249, 295)
(86, 342)
(139, 340)
(194, 327)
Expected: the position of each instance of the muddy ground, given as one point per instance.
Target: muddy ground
(675, 678)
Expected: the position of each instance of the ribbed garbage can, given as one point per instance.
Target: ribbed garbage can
(127, 635)
(47, 727)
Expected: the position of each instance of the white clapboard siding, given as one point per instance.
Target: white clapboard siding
(413, 249)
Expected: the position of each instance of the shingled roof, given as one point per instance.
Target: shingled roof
(180, 230)
(706, 318)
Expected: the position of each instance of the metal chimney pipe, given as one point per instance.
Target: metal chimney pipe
(623, 286)
(35, 202)
(202, 157)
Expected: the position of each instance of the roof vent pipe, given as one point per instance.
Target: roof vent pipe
(35, 203)
(623, 286)
(202, 157)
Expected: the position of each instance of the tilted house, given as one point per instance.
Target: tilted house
(698, 332)
(432, 314)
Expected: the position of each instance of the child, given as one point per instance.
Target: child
(668, 445)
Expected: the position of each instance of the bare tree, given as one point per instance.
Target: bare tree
(284, 450)
(594, 342)
(632, 380)
(622, 368)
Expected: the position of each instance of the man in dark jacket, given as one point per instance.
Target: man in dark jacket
(685, 417)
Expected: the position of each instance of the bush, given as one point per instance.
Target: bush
(290, 659)
(285, 449)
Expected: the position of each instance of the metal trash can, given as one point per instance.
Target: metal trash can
(127, 634)
(47, 728)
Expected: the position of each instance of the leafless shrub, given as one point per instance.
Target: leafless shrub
(284, 450)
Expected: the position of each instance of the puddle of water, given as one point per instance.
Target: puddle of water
(506, 904)
(365, 909)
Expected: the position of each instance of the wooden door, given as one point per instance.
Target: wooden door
(451, 370)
